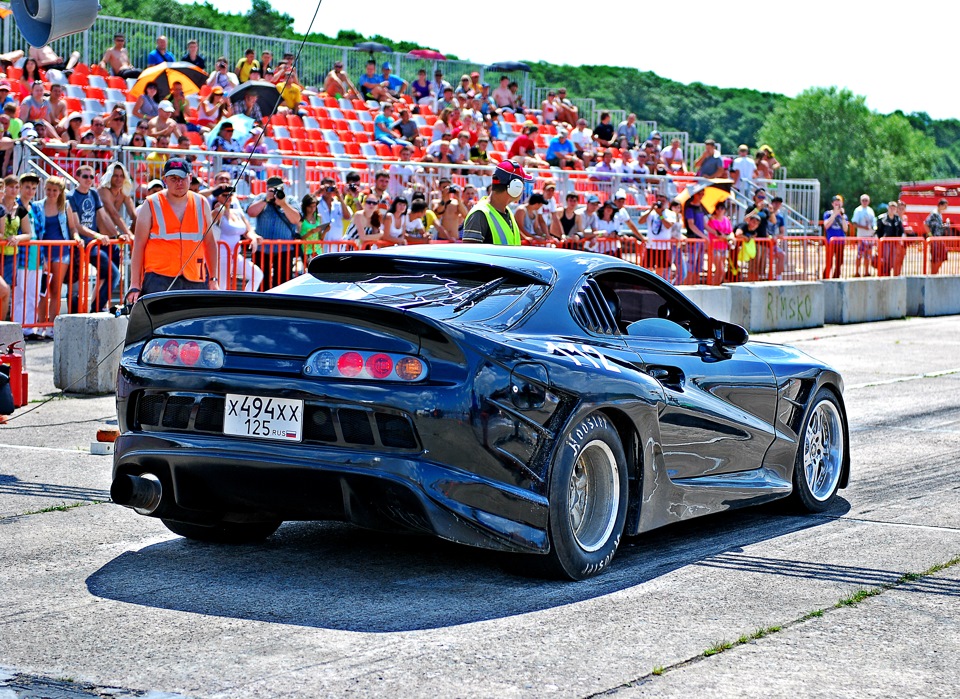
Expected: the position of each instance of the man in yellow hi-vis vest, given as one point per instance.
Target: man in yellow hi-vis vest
(491, 220)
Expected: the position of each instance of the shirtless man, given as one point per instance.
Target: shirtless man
(162, 124)
(118, 59)
(58, 105)
(337, 83)
(450, 212)
(47, 58)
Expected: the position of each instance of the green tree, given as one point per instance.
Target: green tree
(831, 135)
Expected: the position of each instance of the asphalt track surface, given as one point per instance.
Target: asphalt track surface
(98, 601)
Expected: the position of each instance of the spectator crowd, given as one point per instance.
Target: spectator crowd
(435, 137)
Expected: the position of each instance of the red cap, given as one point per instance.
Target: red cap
(512, 170)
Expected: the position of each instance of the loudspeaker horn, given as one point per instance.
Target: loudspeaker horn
(43, 21)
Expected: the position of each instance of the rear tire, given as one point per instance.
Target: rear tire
(821, 453)
(588, 500)
(224, 532)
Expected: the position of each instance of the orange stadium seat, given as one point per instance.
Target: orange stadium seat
(331, 102)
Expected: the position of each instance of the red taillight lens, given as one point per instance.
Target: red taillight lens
(368, 366)
(189, 353)
(193, 354)
(171, 351)
(350, 364)
(379, 366)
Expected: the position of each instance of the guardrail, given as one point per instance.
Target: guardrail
(46, 278)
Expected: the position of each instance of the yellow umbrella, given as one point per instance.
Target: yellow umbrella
(714, 192)
(166, 74)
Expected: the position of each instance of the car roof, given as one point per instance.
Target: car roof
(520, 258)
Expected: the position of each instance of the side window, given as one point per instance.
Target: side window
(642, 310)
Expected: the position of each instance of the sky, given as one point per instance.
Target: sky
(900, 61)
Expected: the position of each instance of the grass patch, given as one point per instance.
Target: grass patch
(850, 601)
(62, 507)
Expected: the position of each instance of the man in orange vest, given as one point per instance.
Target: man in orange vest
(173, 245)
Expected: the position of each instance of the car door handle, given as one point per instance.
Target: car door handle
(670, 376)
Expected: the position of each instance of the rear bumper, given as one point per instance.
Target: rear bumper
(206, 478)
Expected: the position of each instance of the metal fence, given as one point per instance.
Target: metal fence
(315, 60)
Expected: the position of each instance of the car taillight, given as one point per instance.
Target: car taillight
(370, 366)
(191, 354)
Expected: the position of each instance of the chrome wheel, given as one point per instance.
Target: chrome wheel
(823, 448)
(594, 495)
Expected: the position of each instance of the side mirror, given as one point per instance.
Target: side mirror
(729, 334)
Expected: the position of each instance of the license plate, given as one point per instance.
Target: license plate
(267, 418)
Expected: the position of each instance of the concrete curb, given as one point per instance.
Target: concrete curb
(772, 306)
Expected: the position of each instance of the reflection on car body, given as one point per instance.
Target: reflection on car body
(540, 402)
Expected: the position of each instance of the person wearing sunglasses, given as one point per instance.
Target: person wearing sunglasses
(366, 226)
(94, 222)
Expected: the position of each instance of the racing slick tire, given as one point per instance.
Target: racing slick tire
(821, 454)
(588, 500)
(224, 532)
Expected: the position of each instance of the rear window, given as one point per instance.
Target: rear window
(482, 296)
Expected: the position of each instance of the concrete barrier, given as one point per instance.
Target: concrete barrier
(864, 300)
(929, 295)
(86, 352)
(713, 300)
(768, 306)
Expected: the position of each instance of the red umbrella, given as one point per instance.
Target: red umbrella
(429, 54)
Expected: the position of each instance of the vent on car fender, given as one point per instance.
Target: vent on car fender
(591, 310)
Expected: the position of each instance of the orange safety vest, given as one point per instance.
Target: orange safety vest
(175, 247)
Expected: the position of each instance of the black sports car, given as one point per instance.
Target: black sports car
(523, 399)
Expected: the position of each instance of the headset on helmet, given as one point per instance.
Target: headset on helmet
(510, 173)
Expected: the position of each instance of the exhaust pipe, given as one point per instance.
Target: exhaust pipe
(143, 493)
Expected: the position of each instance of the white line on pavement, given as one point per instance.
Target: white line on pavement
(25, 446)
(900, 379)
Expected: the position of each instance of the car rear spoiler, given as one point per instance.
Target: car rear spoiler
(156, 310)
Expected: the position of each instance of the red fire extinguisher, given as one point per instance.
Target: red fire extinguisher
(18, 377)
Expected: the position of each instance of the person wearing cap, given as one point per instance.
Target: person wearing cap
(174, 246)
(710, 165)
(163, 124)
(561, 152)
(370, 87)
(491, 220)
(337, 84)
(193, 55)
(746, 236)
(246, 64)
(393, 85)
(5, 96)
(589, 215)
(212, 109)
(277, 220)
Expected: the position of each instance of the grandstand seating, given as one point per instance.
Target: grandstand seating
(325, 127)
